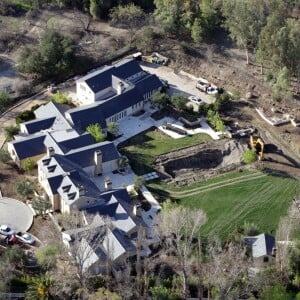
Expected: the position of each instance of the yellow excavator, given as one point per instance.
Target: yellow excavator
(258, 145)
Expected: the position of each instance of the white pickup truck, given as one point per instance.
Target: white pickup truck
(207, 87)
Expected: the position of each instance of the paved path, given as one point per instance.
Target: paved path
(15, 214)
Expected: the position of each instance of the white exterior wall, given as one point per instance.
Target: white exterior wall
(23, 128)
(12, 153)
(84, 94)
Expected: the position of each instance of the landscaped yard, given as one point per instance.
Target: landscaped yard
(231, 200)
(142, 149)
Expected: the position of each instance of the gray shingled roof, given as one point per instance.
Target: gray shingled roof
(38, 124)
(261, 244)
(85, 156)
(102, 79)
(86, 115)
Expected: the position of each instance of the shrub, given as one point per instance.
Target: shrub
(4, 156)
(61, 98)
(11, 131)
(29, 164)
(250, 156)
(96, 131)
(24, 116)
(24, 187)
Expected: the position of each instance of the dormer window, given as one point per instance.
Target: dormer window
(71, 196)
(51, 169)
(46, 161)
(66, 188)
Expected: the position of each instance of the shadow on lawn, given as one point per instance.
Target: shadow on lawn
(276, 173)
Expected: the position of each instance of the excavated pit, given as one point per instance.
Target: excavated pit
(187, 165)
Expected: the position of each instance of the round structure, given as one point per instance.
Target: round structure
(15, 214)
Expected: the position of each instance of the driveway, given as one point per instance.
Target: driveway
(179, 83)
(15, 214)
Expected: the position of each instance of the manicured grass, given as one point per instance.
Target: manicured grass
(261, 201)
(142, 149)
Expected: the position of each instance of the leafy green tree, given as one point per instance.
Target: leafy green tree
(96, 131)
(11, 131)
(41, 205)
(24, 187)
(113, 128)
(5, 101)
(250, 156)
(197, 31)
(160, 99)
(209, 18)
(54, 56)
(215, 120)
(39, 288)
(161, 293)
(61, 98)
(277, 292)
(145, 40)
(29, 164)
(4, 156)
(179, 101)
(123, 162)
(129, 16)
(243, 22)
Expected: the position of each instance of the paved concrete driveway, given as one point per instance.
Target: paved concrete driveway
(15, 214)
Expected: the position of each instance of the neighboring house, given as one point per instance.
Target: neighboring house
(263, 249)
(67, 179)
(110, 233)
(111, 94)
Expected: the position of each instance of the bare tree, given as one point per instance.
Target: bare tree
(226, 266)
(287, 225)
(179, 227)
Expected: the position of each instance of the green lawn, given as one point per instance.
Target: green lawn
(142, 149)
(261, 201)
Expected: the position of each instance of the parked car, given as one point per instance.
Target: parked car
(5, 230)
(195, 99)
(212, 91)
(25, 238)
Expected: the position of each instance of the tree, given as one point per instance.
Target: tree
(209, 18)
(243, 22)
(160, 99)
(179, 227)
(250, 156)
(4, 156)
(62, 98)
(29, 164)
(53, 56)
(123, 162)
(113, 128)
(41, 205)
(179, 101)
(215, 120)
(129, 16)
(11, 131)
(5, 101)
(24, 187)
(96, 131)
(145, 40)
(24, 116)
(277, 292)
(226, 267)
(197, 31)
(282, 84)
(40, 287)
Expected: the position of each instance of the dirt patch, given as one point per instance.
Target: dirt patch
(195, 163)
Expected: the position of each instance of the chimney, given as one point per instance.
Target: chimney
(137, 210)
(50, 151)
(120, 87)
(107, 184)
(81, 191)
(98, 163)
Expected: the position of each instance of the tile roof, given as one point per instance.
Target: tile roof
(261, 244)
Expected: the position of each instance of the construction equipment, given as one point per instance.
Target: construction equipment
(258, 145)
